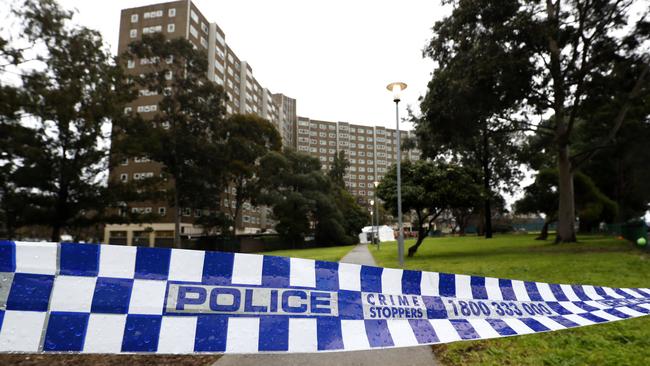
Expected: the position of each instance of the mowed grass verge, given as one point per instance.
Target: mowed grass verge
(332, 254)
(595, 260)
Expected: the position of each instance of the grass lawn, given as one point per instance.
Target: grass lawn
(595, 260)
(332, 254)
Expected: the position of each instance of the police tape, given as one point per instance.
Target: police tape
(116, 299)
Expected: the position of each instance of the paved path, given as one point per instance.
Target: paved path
(409, 356)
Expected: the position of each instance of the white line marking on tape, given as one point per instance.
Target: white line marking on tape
(186, 265)
(520, 290)
(391, 281)
(605, 315)
(550, 323)
(578, 319)
(302, 272)
(303, 335)
(104, 333)
(147, 297)
(354, 335)
(444, 330)
(37, 258)
(349, 276)
(591, 292)
(631, 312)
(429, 284)
(401, 332)
(572, 307)
(631, 292)
(596, 304)
(177, 334)
(21, 331)
(518, 326)
(545, 292)
(612, 293)
(493, 289)
(463, 287)
(247, 269)
(72, 293)
(569, 293)
(117, 261)
(243, 335)
(483, 328)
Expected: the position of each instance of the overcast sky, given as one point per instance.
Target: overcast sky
(335, 57)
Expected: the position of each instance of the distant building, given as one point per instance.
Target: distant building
(371, 150)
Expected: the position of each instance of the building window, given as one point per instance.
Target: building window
(124, 177)
(187, 212)
(171, 28)
(162, 211)
(194, 32)
(153, 14)
(130, 64)
(152, 29)
(127, 110)
(168, 75)
(134, 18)
(125, 162)
(194, 16)
(172, 12)
(147, 108)
(133, 33)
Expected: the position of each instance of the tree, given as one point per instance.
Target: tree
(185, 135)
(354, 217)
(547, 58)
(462, 111)
(305, 201)
(247, 139)
(338, 169)
(428, 189)
(542, 196)
(289, 178)
(55, 151)
(621, 171)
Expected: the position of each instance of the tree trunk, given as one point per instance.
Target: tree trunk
(544, 234)
(566, 213)
(421, 236)
(56, 232)
(177, 222)
(486, 185)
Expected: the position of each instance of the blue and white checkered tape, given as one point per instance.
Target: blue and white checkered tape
(116, 299)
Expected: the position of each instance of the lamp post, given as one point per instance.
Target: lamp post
(397, 88)
(376, 184)
(372, 221)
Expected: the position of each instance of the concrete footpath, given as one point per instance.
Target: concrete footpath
(409, 356)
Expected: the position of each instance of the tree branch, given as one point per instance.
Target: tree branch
(618, 121)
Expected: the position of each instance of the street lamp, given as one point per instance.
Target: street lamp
(372, 223)
(376, 184)
(397, 89)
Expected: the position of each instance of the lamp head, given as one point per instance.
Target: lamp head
(376, 184)
(396, 88)
(372, 202)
